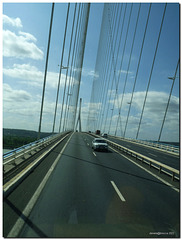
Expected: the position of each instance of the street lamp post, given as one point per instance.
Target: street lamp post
(62, 67)
(173, 79)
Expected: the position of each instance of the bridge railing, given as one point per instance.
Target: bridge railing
(172, 172)
(13, 182)
(161, 146)
(28, 149)
(162, 168)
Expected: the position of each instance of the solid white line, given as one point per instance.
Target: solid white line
(154, 175)
(25, 171)
(26, 212)
(94, 154)
(118, 192)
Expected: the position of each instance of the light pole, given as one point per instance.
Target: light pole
(66, 112)
(173, 79)
(61, 67)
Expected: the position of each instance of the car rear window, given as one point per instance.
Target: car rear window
(100, 141)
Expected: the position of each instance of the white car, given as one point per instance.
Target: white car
(104, 135)
(99, 144)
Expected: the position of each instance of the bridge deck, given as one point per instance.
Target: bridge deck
(91, 194)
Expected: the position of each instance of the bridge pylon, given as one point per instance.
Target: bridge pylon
(79, 117)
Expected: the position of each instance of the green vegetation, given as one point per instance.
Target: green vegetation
(14, 138)
(11, 142)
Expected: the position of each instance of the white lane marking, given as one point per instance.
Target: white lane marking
(94, 154)
(10, 184)
(153, 154)
(26, 212)
(154, 175)
(118, 192)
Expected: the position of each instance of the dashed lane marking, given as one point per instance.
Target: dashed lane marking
(94, 154)
(154, 175)
(118, 192)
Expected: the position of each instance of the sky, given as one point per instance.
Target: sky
(25, 36)
(158, 93)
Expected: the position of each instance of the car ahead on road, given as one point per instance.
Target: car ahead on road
(99, 144)
(104, 135)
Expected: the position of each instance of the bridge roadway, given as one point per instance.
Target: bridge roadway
(165, 157)
(92, 194)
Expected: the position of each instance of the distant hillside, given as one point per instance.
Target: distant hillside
(23, 133)
(14, 138)
(172, 143)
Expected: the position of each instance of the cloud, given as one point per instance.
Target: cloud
(93, 109)
(15, 22)
(22, 110)
(155, 104)
(25, 72)
(11, 95)
(90, 73)
(19, 46)
(30, 75)
(86, 72)
(152, 118)
(124, 72)
(28, 36)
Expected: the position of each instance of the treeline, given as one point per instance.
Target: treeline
(11, 142)
(14, 138)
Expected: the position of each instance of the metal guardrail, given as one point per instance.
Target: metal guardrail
(22, 148)
(151, 162)
(31, 148)
(162, 146)
(172, 172)
(15, 181)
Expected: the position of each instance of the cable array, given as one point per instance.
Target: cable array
(72, 54)
(122, 48)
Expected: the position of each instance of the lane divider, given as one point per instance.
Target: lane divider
(118, 192)
(94, 154)
(172, 172)
(154, 175)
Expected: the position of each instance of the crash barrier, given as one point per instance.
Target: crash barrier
(14, 182)
(163, 168)
(157, 145)
(29, 149)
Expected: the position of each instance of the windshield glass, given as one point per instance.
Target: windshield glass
(100, 141)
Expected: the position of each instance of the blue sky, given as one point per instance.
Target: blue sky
(28, 25)
(164, 67)
(25, 36)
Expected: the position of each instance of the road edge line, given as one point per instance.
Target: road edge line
(27, 210)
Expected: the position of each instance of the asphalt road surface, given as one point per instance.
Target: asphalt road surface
(102, 194)
(161, 156)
